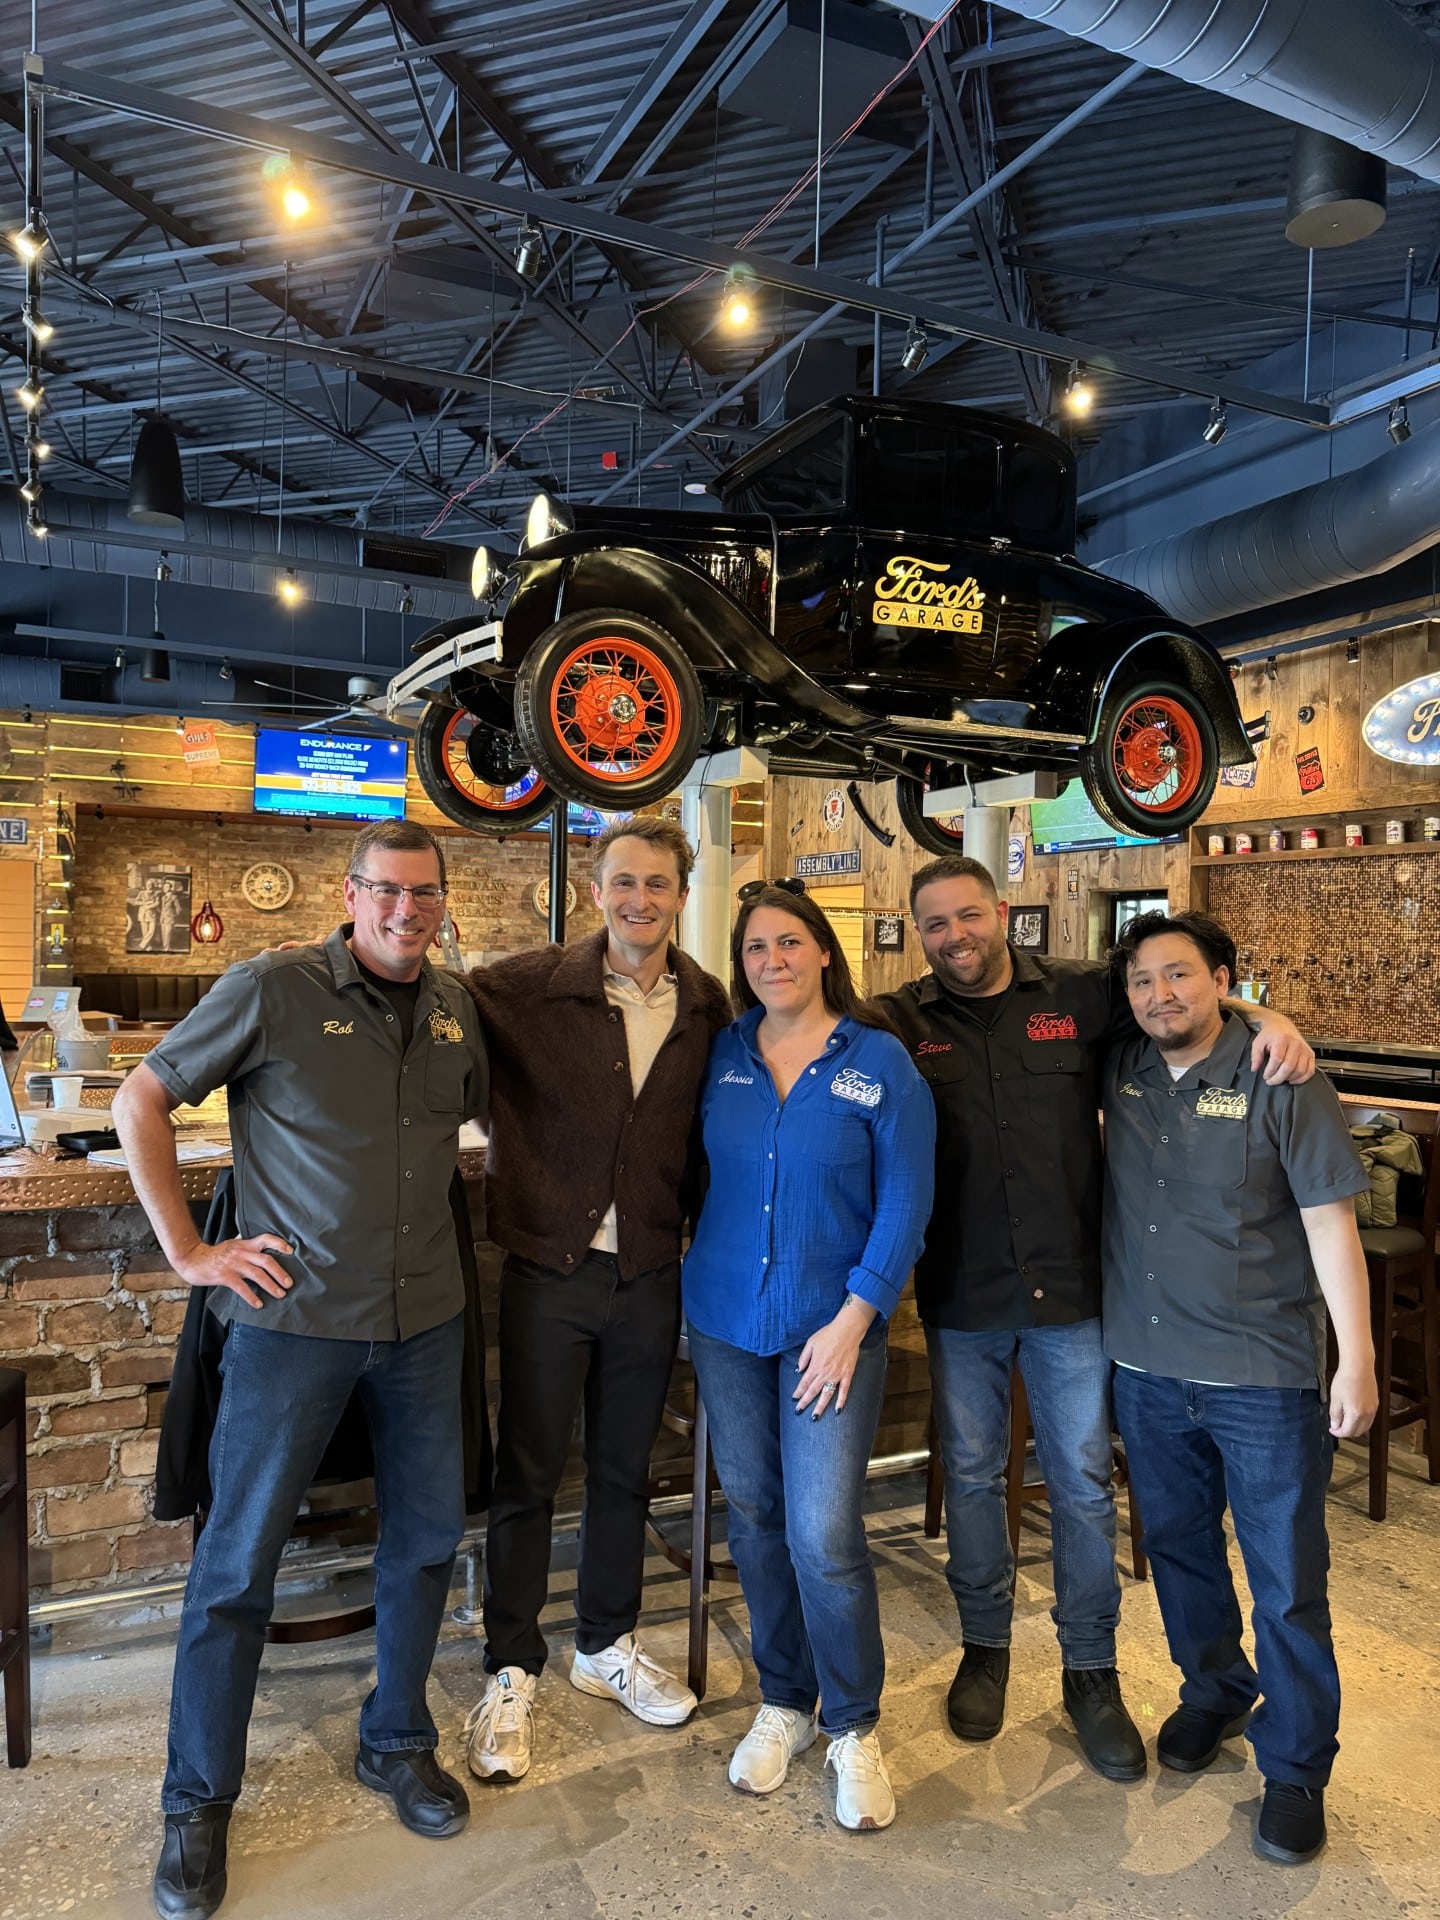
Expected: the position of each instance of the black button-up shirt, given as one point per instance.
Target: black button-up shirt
(1014, 1239)
(1208, 1273)
(344, 1137)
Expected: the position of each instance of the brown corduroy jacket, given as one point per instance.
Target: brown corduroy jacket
(567, 1134)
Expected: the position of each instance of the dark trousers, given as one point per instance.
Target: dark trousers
(572, 1340)
(284, 1394)
(1267, 1452)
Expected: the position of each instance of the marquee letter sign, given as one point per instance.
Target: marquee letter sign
(1405, 725)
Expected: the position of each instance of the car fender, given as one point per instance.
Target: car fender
(1077, 670)
(717, 633)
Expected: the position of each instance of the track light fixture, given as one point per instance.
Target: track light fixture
(529, 250)
(1352, 652)
(40, 449)
(1398, 425)
(1079, 394)
(30, 393)
(737, 306)
(36, 325)
(407, 601)
(35, 523)
(31, 240)
(916, 350)
(1217, 425)
(31, 490)
(227, 672)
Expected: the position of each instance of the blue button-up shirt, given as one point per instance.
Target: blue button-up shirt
(826, 1194)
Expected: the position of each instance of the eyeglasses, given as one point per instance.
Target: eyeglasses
(388, 894)
(787, 883)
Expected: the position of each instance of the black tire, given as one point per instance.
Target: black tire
(1173, 755)
(447, 773)
(910, 791)
(645, 732)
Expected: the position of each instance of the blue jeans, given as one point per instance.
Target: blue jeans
(1067, 1382)
(283, 1395)
(794, 1490)
(1268, 1451)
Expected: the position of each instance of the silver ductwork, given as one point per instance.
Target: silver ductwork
(233, 552)
(1319, 536)
(1356, 69)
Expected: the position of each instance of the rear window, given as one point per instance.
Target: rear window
(930, 479)
(808, 480)
(1039, 500)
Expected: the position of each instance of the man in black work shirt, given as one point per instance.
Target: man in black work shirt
(1012, 1045)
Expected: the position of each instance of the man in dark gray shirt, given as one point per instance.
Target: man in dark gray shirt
(1229, 1229)
(350, 1066)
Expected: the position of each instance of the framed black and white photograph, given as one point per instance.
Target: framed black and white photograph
(890, 933)
(157, 909)
(1030, 928)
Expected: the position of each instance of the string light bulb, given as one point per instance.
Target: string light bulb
(1079, 394)
(290, 186)
(289, 588)
(737, 308)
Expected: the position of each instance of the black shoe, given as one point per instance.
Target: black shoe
(1191, 1738)
(189, 1881)
(1291, 1827)
(1109, 1737)
(428, 1800)
(975, 1705)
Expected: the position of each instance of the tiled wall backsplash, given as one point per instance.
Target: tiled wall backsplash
(1351, 947)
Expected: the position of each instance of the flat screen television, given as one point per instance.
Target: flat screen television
(330, 776)
(1070, 824)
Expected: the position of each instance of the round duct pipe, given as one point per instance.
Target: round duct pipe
(1336, 194)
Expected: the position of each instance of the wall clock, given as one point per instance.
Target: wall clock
(267, 885)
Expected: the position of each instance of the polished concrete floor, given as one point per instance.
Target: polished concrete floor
(621, 1822)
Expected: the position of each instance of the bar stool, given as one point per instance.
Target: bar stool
(1405, 1323)
(1020, 1493)
(14, 1568)
(694, 1559)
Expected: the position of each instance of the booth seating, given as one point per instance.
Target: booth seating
(14, 1568)
(1405, 1321)
(143, 996)
(1019, 1492)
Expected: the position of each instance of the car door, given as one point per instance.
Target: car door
(804, 493)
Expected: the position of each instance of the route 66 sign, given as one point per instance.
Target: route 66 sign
(1405, 725)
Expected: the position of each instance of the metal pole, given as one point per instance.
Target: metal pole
(879, 281)
(559, 870)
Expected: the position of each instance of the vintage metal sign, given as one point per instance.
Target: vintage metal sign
(1405, 725)
(14, 830)
(819, 866)
(913, 593)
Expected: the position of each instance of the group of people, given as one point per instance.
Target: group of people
(818, 1148)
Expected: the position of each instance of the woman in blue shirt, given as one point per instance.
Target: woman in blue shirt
(820, 1138)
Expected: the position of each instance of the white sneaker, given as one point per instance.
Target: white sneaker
(625, 1673)
(761, 1761)
(499, 1731)
(864, 1797)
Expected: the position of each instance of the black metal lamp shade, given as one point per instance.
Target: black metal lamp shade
(157, 486)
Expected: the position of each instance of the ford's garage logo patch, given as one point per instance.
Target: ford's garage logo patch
(1405, 725)
(910, 593)
(1051, 1026)
(853, 1085)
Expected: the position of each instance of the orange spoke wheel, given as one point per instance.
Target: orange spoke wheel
(461, 762)
(615, 709)
(1157, 754)
(462, 776)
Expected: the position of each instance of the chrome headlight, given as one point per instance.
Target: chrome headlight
(547, 517)
(483, 573)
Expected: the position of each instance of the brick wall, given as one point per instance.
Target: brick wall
(90, 1312)
(492, 884)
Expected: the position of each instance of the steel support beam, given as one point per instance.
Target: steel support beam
(827, 289)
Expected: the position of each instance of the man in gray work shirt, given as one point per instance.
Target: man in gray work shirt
(1229, 1218)
(350, 1066)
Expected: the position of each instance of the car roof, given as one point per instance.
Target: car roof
(867, 407)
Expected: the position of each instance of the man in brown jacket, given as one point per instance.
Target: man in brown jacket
(596, 1058)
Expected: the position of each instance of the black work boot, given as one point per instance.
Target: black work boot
(1291, 1827)
(1191, 1738)
(428, 1800)
(189, 1881)
(1109, 1737)
(975, 1705)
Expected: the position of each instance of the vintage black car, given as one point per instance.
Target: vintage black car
(887, 591)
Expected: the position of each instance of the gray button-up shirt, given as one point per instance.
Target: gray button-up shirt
(344, 1140)
(1207, 1271)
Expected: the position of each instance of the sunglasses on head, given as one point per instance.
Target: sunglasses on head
(787, 883)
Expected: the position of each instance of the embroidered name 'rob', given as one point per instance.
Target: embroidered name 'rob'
(853, 1085)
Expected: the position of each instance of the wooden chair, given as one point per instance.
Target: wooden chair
(14, 1568)
(693, 1559)
(1020, 1493)
(1405, 1322)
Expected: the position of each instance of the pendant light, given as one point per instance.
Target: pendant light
(157, 485)
(207, 926)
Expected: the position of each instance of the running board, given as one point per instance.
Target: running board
(476, 647)
(961, 730)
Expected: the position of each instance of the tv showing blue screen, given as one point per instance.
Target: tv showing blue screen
(1070, 824)
(330, 776)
